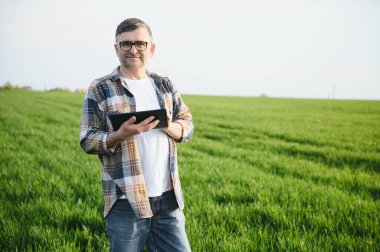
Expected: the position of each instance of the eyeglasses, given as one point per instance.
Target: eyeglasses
(127, 45)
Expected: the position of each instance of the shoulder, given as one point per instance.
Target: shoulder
(109, 79)
(157, 77)
(103, 87)
(161, 80)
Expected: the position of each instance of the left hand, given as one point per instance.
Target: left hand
(174, 129)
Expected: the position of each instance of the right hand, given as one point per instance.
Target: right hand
(128, 129)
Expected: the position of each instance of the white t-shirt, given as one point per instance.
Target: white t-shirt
(153, 145)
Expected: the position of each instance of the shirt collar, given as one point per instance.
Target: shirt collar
(115, 74)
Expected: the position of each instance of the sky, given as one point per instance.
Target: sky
(293, 48)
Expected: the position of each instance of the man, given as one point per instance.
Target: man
(142, 191)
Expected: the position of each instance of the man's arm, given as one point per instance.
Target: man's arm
(92, 129)
(174, 130)
(181, 128)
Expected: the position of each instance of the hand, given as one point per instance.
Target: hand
(128, 129)
(174, 129)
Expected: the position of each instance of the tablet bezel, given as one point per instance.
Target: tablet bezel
(118, 119)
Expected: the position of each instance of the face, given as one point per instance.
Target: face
(134, 59)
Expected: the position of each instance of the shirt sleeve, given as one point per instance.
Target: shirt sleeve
(93, 128)
(182, 115)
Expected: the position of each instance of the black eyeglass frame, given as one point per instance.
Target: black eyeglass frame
(133, 44)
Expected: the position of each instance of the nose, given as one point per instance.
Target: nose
(133, 49)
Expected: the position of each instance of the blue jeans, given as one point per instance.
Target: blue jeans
(165, 231)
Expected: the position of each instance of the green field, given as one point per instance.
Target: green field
(259, 174)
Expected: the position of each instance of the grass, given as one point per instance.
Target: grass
(259, 174)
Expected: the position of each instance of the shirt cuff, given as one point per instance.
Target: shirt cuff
(180, 140)
(109, 150)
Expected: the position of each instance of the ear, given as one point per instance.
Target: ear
(116, 48)
(152, 49)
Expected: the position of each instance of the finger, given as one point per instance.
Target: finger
(154, 123)
(150, 125)
(130, 121)
(147, 121)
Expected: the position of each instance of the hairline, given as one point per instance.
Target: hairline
(150, 36)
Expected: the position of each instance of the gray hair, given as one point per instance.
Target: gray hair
(132, 24)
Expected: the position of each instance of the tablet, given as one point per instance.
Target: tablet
(118, 119)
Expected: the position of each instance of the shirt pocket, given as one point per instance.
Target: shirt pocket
(116, 105)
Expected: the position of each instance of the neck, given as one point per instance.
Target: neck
(133, 74)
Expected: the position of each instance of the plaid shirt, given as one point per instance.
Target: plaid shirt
(122, 173)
